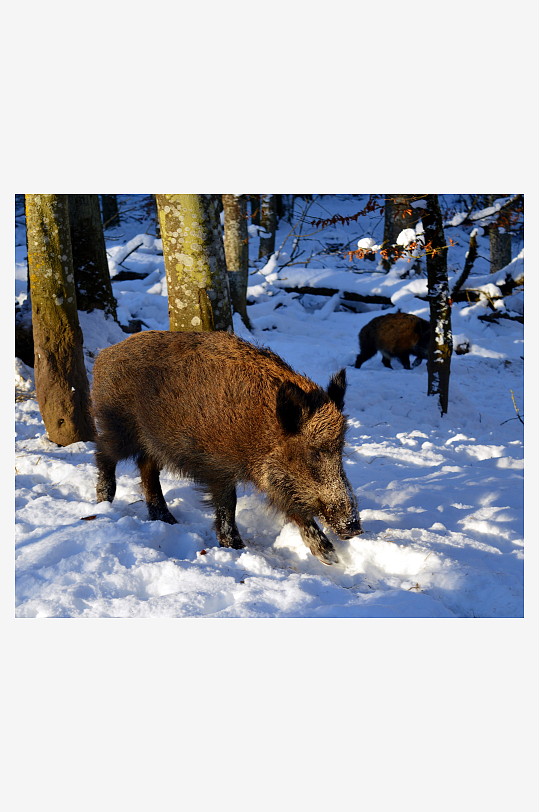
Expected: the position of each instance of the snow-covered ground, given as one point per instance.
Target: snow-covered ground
(441, 498)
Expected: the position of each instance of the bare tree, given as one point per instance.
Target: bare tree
(255, 209)
(500, 243)
(237, 251)
(398, 216)
(111, 213)
(268, 221)
(92, 277)
(195, 264)
(61, 382)
(441, 339)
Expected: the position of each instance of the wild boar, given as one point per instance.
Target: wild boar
(397, 335)
(220, 411)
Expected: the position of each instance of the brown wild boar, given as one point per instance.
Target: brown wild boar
(397, 335)
(216, 409)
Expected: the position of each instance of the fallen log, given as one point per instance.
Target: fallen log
(346, 295)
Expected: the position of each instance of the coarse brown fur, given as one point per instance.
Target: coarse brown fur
(396, 335)
(221, 411)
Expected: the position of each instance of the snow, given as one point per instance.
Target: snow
(441, 498)
(406, 236)
(368, 243)
(488, 282)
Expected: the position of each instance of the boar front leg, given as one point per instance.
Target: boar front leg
(224, 501)
(313, 538)
(151, 487)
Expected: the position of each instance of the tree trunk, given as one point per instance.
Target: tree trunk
(255, 209)
(157, 226)
(61, 382)
(92, 277)
(111, 214)
(237, 252)
(268, 221)
(441, 339)
(500, 244)
(195, 264)
(397, 218)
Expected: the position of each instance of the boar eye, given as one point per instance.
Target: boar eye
(316, 454)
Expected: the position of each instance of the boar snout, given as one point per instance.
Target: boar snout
(354, 529)
(342, 513)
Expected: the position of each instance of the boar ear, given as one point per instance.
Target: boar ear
(337, 388)
(291, 405)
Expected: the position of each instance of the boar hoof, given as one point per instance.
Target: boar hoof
(327, 557)
(235, 544)
(157, 514)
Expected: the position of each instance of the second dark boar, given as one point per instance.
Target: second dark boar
(397, 335)
(220, 411)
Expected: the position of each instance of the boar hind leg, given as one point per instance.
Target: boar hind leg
(313, 538)
(364, 355)
(106, 482)
(224, 501)
(151, 488)
(367, 349)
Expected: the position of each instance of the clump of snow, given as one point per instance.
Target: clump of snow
(368, 244)
(406, 236)
(458, 218)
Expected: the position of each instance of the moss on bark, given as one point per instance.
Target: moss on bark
(198, 289)
(61, 381)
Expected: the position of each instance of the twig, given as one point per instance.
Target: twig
(474, 201)
(131, 252)
(516, 410)
(381, 457)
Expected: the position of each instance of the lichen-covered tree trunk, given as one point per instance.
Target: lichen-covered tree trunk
(441, 338)
(61, 382)
(237, 251)
(268, 221)
(111, 213)
(397, 217)
(500, 244)
(195, 264)
(92, 277)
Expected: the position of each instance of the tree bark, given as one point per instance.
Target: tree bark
(500, 244)
(441, 339)
(61, 382)
(255, 209)
(157, 226)
(268, 221)
(92, 277)
(237, 251)
(111, 214)
(397, 218)
(195, 264)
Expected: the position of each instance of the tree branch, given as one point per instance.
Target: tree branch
(470, 259)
